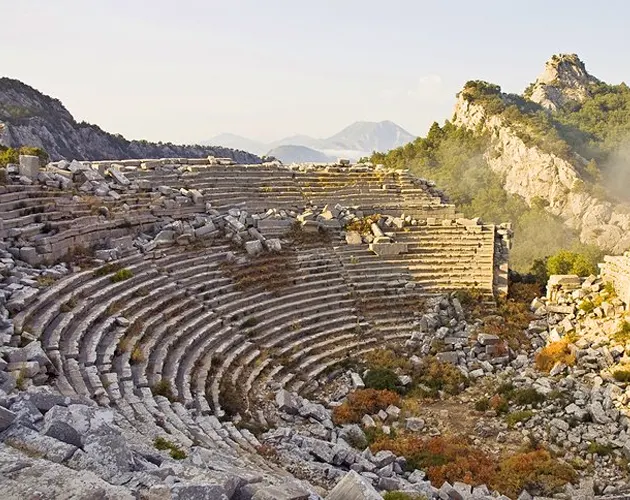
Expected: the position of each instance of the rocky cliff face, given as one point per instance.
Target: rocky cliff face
(564, 79)
(532, 173)
(28, 117)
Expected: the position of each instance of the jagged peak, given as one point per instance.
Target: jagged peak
(564, 79)
(565, 70)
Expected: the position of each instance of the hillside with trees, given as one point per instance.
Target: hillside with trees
(555, 161)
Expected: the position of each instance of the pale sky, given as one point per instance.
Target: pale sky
(186, 70)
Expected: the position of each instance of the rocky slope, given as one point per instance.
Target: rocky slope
(28, 117)
(536, 174)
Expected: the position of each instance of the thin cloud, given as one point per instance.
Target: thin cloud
(427, 86)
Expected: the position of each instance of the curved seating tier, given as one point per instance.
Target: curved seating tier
(193, 335)
(259, 187)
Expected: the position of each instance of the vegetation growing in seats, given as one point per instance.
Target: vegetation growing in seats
(137, 355)
(20, 380)
(175, 451)
(69, 305)
(121, 275)
(363, 225)
(231, 400)
(622, 375)
(300, 237)
(106, 269)
(163, 388)
(45, 280)
(387, 359)
(254, 275)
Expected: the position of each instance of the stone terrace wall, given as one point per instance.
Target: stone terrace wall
(69, 205)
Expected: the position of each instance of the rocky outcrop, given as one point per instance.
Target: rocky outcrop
(30, 118)
(531, 173)
(564, 79)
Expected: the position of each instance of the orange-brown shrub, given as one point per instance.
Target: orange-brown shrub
(535, 471)
(443, 458)
(554, 352)
(364, 401)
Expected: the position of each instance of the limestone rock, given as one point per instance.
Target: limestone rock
(353, 487)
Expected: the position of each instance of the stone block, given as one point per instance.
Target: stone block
(6, 418)
(273, 245)
(353, 238)
(354, 487)
(29, 166)
(287, 402)
(253, 247)
(388, 249)
(447, 357)
(205, 231)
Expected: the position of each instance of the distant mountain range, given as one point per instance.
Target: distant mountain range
(28, 117)
(355, 141)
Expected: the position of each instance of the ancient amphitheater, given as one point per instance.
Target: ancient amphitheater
(195, 290)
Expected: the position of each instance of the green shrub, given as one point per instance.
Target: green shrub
(573, 262)
(69, 305)
(163, 388)
(175, 451)
(622, 375)
(121, 275)
(622, 335)
(401, 495)
(518, 416)
(587, 306)
(106, 269)
(482, 404)
(382, 378)
(600, 449)
(527, 396)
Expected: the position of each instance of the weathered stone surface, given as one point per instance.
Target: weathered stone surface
(29, 166)
(198, 492)
(6, 418)
(62, 431)
(353, 238)
(31, 477)
(287, 402)
(414, 424)
(388, 249)
(353, 487)
(253, 247)
(29, 440)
